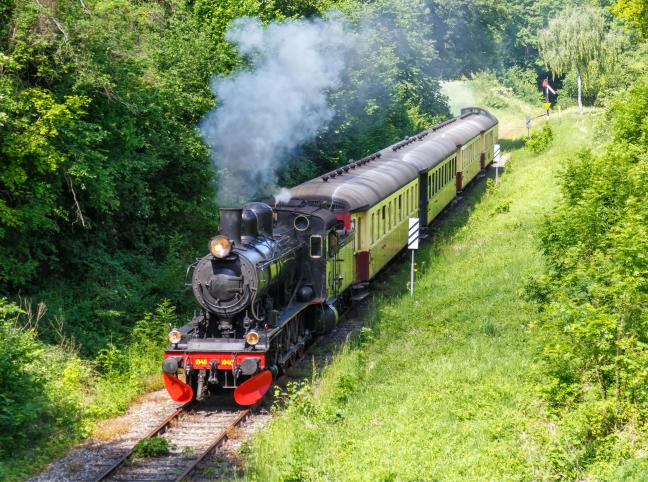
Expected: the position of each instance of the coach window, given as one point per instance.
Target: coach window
(384, 220)
(400, 207)
(316, 246)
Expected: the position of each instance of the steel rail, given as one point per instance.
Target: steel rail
(222, 437)
(160, 429)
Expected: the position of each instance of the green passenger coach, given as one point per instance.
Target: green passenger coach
(373, 198)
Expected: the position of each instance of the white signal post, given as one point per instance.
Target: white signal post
(412, 245)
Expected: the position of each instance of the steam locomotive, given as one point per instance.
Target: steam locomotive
(277, 276)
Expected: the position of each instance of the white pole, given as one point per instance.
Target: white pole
(412, 275)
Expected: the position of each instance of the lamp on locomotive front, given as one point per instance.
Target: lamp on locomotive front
(220, 247)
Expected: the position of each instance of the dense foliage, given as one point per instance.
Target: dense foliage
(596, 293)
(634, 12)
(51, 396)
(106, 187)
(540, 139)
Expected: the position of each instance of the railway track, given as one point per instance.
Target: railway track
(194, 432)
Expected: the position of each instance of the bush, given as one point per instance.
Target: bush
(539, 140)
(50, 397)
(595, 327)
(41, 389)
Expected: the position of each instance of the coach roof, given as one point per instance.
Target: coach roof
(361, 184)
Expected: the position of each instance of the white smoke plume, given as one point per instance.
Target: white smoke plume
(265, 113)
(282, 196)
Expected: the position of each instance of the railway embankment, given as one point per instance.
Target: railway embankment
(444, 384)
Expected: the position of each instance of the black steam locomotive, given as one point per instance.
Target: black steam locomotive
(276, 276)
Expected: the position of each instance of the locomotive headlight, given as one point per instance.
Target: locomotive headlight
(252, 337)
(220, 246)
(175, 336)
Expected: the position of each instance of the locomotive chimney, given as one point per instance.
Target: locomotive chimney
(230, 223)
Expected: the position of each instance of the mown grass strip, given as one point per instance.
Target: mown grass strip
(443, 386)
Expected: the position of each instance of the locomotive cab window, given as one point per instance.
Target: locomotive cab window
(316, 246)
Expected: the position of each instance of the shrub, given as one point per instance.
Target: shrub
(50, 397)
(595, 296)
(41, 389)
(539, 140)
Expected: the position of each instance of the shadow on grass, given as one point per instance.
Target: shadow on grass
(508, 145)
(393, 280)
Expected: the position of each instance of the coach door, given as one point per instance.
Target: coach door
(424, 191)
(340, 261)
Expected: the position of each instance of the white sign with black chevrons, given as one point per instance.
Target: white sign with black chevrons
(413, 234)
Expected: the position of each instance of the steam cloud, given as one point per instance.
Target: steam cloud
(265, 113)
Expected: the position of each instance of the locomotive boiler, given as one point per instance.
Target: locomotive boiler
(277, 276)
(247, 271)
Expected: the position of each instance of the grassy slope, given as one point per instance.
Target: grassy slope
(444, 386)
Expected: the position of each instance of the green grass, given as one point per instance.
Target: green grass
(444, 385)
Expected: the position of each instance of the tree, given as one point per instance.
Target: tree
(634, 12)
(577, 39)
